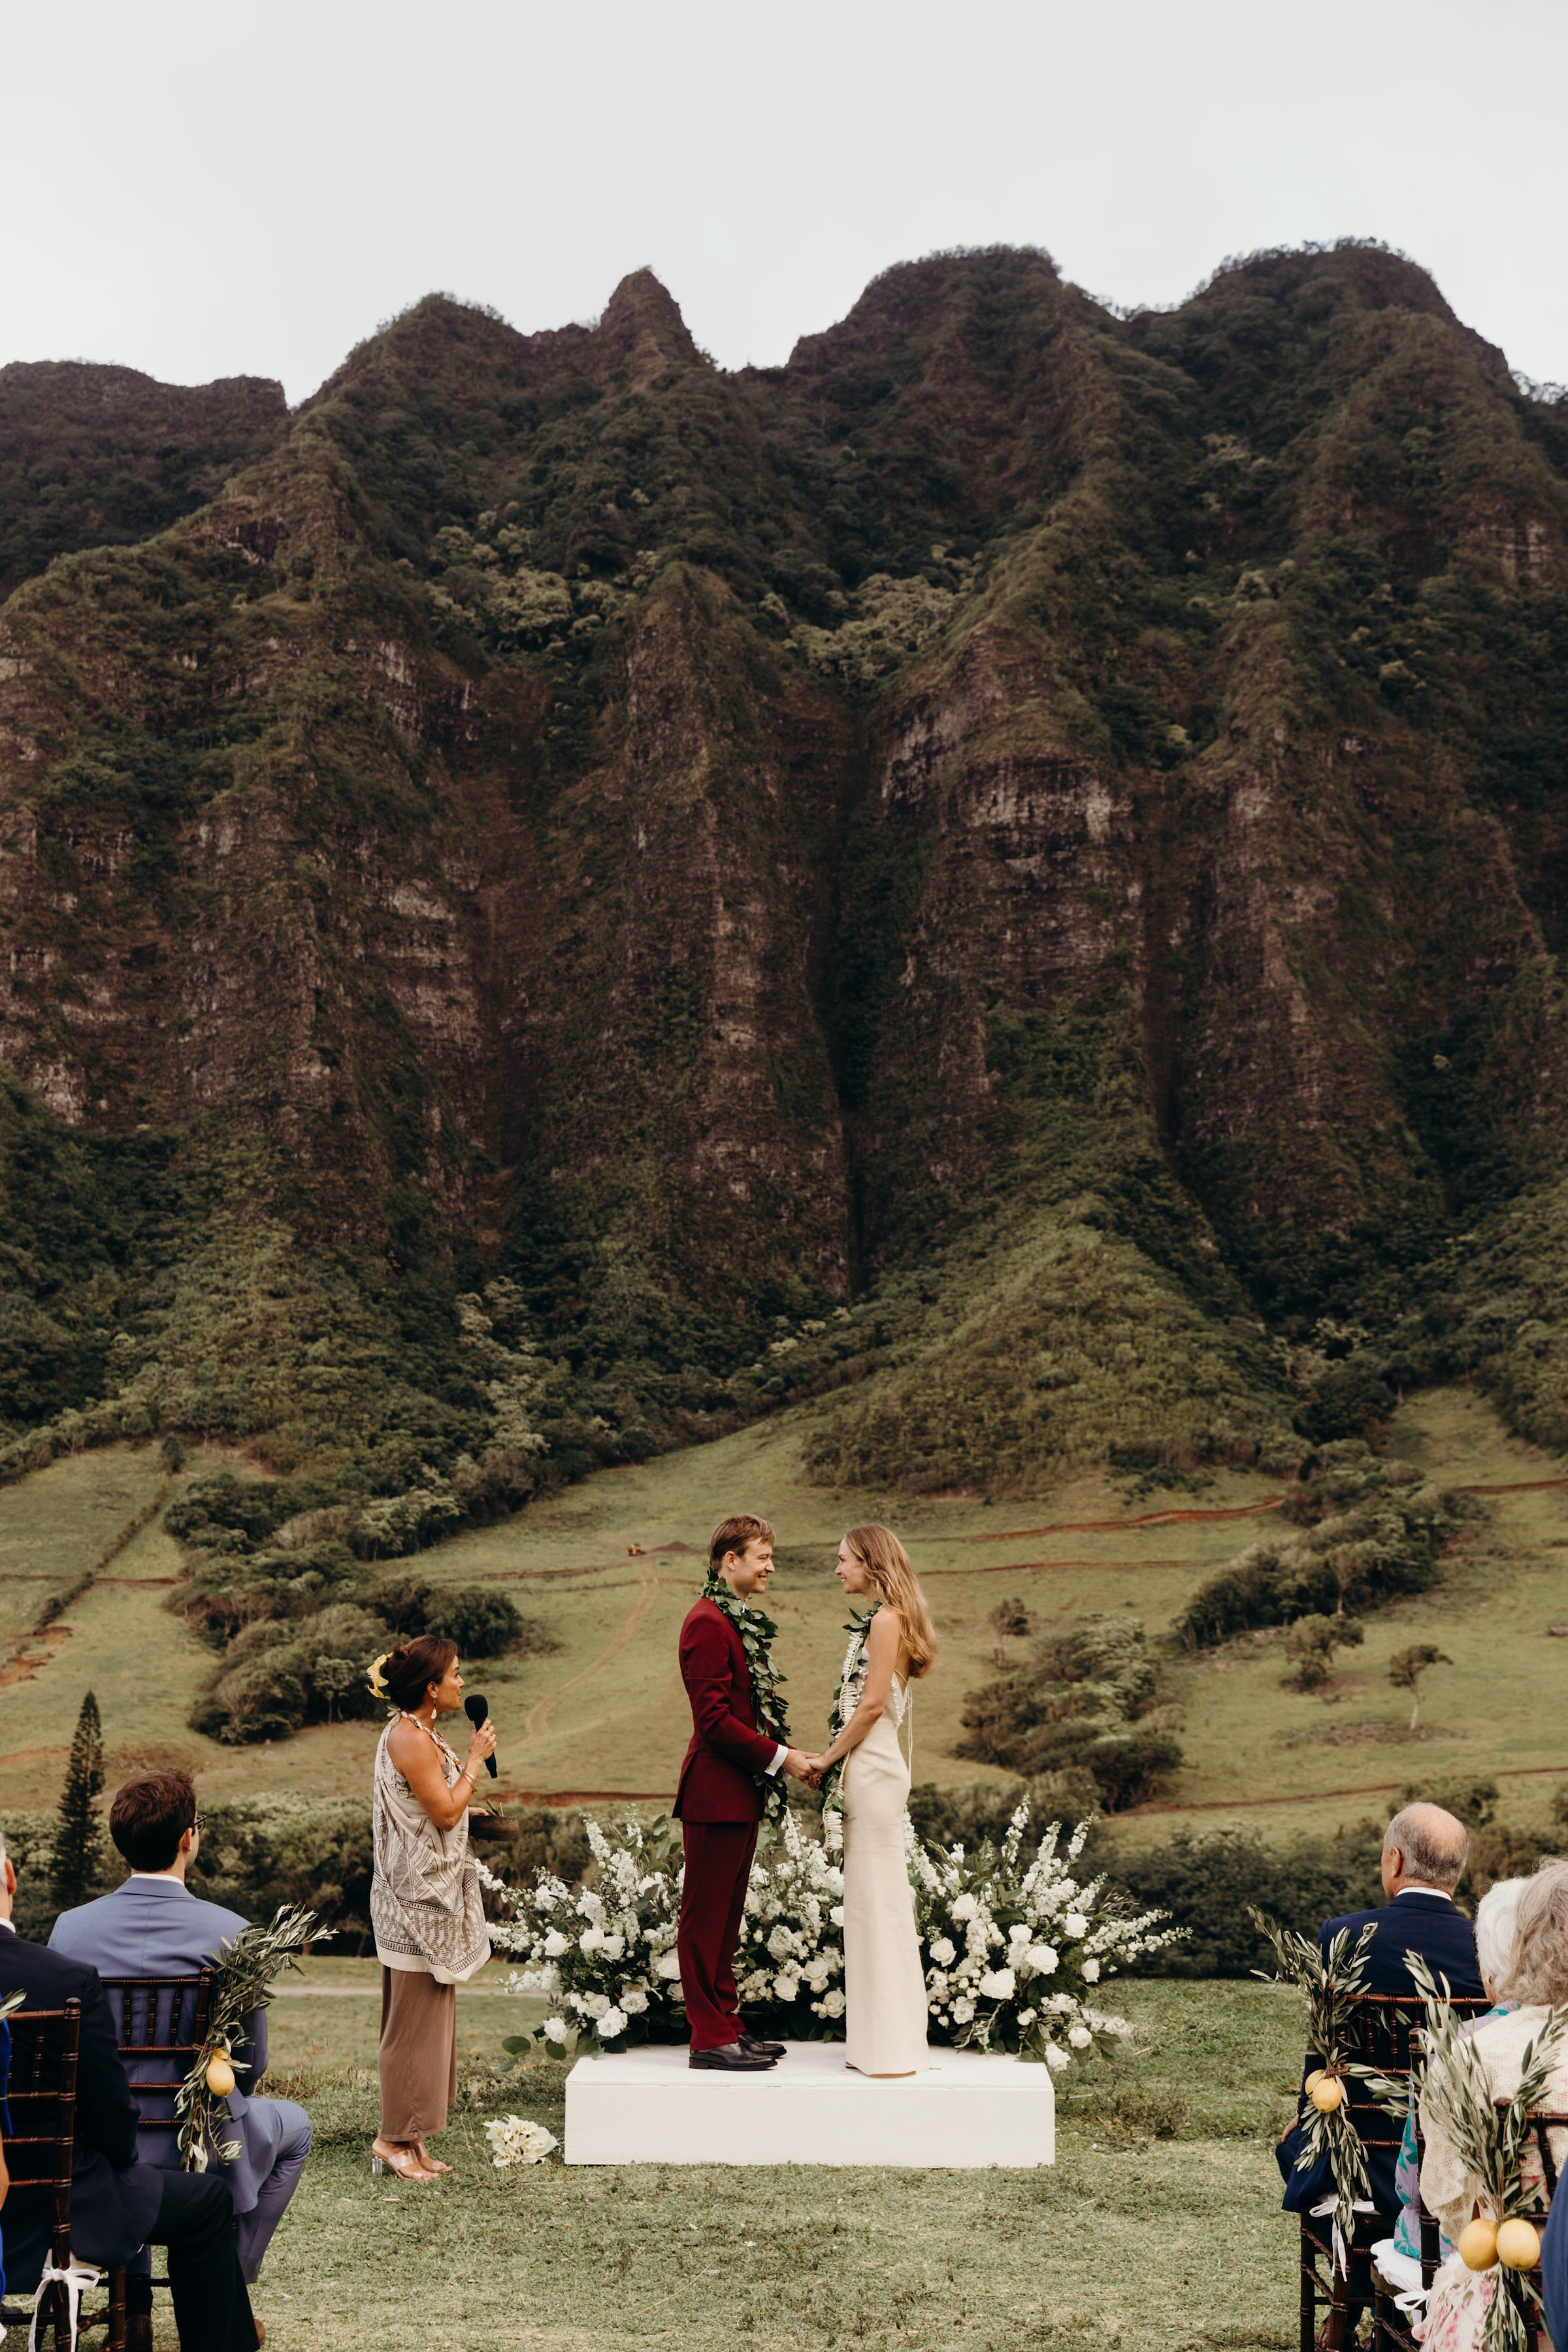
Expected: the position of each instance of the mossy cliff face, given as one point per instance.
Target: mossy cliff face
(1001, 856)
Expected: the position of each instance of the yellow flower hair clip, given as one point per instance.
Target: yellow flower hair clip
(374, 1677)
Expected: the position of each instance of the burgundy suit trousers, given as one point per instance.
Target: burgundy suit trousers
(712, 1903)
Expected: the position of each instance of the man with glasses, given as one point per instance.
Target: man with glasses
(153, 1926)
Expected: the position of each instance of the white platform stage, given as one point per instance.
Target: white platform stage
(648, 2107)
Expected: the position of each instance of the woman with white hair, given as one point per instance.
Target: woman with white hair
(1536, 1982)
(1399, 2257)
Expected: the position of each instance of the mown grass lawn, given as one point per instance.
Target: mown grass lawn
(1157, 2230)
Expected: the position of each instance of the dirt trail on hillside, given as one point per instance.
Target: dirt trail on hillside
(1115, 1526)
(540, 1716)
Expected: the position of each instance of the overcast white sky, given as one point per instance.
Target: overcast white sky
(218, 187)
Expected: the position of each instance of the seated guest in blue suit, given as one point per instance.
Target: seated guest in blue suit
(153, 1926)
(118, 2204)
(1424, 1855)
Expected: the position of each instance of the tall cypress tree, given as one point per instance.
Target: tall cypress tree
(79, 1841)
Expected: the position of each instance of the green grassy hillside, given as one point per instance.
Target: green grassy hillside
(604, 1715)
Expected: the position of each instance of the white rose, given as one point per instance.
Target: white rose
(668, 1966)
(1079, 2036)
(1043, 1959)
(555, 2028)
(1092, 1972)
(1018, 1935)
(589, 1941)
(634, 2000)
(833, 2004)
(612, 1946)
(612, 2024)
(555, 1944)
(836, 1914)
(595, 2005)
(963, 2011)
(785, 1986)
(781, 1943)
(1056, 2059)
(999, 1985)
(943, 1951)
(1075, 1923)
(966, 1907)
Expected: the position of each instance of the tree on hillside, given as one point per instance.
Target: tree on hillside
(1406, 1669)
(79, 1841)
(1010, 1621)
(1311, 1643)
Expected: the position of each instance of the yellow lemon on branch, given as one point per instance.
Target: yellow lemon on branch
(1518, 2245)
(1478, 2245)
(1327, 2093)
(220, 2076)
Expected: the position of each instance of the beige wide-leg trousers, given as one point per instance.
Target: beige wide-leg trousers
(418, 2053)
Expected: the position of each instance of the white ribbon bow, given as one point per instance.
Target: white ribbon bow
(76, 2279)
(1330, 2205)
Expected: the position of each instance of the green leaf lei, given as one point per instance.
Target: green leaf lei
(859, 1627)
(757, 1631)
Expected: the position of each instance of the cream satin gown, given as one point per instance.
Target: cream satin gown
(884, 1982)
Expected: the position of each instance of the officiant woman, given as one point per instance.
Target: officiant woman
(424, 1905)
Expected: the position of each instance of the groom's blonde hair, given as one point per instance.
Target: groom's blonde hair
(887, 1563)
(734, 1535)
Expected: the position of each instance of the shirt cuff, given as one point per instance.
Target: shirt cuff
(778, 1755)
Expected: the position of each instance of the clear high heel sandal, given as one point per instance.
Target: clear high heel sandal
(403, 2161)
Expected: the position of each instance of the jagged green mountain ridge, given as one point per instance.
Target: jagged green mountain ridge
(1010, 872)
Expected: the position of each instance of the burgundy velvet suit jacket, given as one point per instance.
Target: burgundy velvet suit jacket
(719, 1775)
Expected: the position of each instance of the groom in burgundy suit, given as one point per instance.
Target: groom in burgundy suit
(720, 1800)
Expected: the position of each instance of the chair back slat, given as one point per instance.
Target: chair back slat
(162, 2027)
(41, 2095)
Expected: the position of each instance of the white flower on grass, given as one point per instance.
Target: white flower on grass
(555, 1944)
(999, 1985)
(513, 2141)
(1079, 2036)
(1056, 2058)
(1092, 1972)
(1043, 1959)
(555, 2028)
(634, 2000)
(943, 1951)
(611, 2023)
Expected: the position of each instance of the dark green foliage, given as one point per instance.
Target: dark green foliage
(263, 1852)
(482, 1622)
(1311, 1643)
(77, 1859)
(1370, 1530)
(1207, 1883)
(944, 1816)
(1085, 1704)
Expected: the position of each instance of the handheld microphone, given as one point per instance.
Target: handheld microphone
(476, 1708)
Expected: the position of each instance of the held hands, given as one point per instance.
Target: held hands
(798, 1765)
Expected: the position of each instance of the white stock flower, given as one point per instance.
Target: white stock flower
(999, 1985)
(612, 2024)
(1079, 2036)
(943, 1951)
(963, 2011)
(1056, 2057)
(1092, 1972)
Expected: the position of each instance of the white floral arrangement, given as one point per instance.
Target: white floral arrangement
(1013, 1948)
(514, 2140)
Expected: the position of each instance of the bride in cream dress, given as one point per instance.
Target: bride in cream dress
(893, 1644)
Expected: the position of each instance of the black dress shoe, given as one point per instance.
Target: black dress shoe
(762, 2049)
(730, 2058)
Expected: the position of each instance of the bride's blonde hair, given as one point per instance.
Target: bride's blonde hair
(887, 1564)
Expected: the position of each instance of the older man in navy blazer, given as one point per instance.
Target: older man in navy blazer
(153, 1926)
(1424, 1855)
